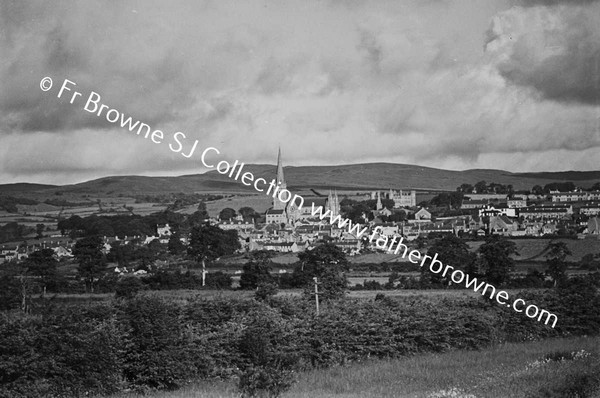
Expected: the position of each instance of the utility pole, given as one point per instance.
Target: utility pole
(316, 294)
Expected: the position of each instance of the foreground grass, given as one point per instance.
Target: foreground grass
(510, 370)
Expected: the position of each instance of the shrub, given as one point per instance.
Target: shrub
(159, 354)
(218, 280)
(128, 287)
(266, 290)
(261, 381)
(71, 352)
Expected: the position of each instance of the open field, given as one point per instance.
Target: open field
(184, 295)
(260, 203)
(534, 248)
(505, 371)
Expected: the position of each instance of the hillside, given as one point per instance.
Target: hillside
(355, 176)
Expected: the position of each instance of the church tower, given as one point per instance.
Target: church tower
(333, 203)
(277, 204)
(336, 204)
(379, 204)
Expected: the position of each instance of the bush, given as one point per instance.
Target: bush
(128, 287)
(159, 354)
(266, 290)
(218, 280)
(261, 381)
(69, 352)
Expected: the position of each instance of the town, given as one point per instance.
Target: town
(472, 212)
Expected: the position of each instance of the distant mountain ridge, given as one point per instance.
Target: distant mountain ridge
(364, 176)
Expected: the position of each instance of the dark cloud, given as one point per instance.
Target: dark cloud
(532, 3)
(554, 51)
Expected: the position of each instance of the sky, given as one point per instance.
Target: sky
(501, 84)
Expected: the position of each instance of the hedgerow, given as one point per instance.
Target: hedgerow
(147, 343)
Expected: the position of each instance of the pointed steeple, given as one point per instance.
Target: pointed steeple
(277, 204)
(379, 205)
(280, 177)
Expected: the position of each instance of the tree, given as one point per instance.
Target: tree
(256, 271)
(16, 287)
(452, 199)
(328, 263)
(122, 254)
(227, 214)
(495, 256)
(88, 252)
(395, 217)
(266, 290)
(537, 190)
(450, 250)
(559, 186)
(481, 187)
(42, 265)
(39, 229)
(355, 211)
(197, 218)
(175, 244)
(248, 213)
(465, 188)
(209, 242)
(555, 257)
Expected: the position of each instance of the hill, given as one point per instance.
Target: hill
(364, 176)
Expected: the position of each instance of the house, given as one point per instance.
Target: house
(576, 196)
(422, 214)
(502, 225)
(475, 223)
(593, 227)
(439, 227)
(163, 230)
(590, 209)
(497, 210)
(546, 212)
(383, 212)
(276, 216)
(387, 228)
(411, 232)
(468, 204)
(549, 229)
(237, 225)
(61, 252)
(306, 210)
(283, 247)
(516, 203)
(349, 246)
(486, 196)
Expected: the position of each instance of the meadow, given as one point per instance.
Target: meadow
(508, 370)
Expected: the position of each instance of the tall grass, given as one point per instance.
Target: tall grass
(509, 370)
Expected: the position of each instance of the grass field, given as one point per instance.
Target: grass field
(506, 371)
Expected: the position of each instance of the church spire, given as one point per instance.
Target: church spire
(277, 204)
(280, 177)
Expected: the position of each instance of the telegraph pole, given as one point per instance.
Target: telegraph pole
(316, 294)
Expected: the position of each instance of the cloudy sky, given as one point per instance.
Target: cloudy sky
(498, 84)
